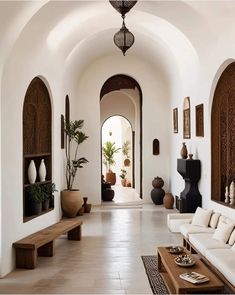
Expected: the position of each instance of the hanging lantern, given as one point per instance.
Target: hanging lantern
(122, 6)
(124, 39)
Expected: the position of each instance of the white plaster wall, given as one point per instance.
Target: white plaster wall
(117, 103)
(211, 66)
(22, 67)
(156, 111)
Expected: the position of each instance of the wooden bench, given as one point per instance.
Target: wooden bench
(42, 243)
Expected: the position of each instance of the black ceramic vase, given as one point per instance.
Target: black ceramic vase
(157, 195)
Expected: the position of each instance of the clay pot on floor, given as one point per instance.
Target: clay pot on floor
(71, 202)
(168, 201)
(158, 182)
(157, 195)
(87, 207)
(123, 181)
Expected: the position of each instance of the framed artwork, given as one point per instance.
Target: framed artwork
(175, 120)
(186, 119)
(199, 120)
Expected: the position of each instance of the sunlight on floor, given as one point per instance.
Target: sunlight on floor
(124, 196)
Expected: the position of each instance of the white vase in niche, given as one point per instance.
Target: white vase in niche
(32, 172)
(232, 193)
(42, 171)
(226, 195)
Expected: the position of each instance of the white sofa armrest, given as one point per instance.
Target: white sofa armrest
(174, 220)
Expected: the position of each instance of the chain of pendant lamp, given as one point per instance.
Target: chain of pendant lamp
(123, 39)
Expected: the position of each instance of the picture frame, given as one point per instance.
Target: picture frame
(175, 120)
(199, 110)
(186, 119)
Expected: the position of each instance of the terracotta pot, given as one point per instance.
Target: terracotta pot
(184, 151)
(87, 208)
(127, 162)
(111, 177)
(71, 202)
(128, 184)
(158, 182)
(81, 211)
(123, 182)
(168, 201)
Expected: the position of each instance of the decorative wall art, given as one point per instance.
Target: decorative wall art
(156, 148)
(186, 119)
(199, 120)
(175, 120)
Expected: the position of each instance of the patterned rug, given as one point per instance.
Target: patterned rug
(155, 279)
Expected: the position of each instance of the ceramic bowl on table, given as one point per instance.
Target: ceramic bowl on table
(184, 260)
(175, 249)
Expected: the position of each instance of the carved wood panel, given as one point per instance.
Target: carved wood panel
(37, 119)
(223, 133)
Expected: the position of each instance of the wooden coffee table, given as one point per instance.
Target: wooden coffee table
(170, 272)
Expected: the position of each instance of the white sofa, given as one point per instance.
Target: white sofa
(214, 241)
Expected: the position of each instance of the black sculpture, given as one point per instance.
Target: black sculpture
(190, 197)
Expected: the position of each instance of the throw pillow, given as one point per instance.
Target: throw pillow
(223, 232)
(201, 217)
(214, 220)
(231, 240)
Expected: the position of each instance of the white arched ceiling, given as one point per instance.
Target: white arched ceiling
(81, 30)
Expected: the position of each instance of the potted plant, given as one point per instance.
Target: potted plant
(71, 199)
(125, 151)
(35, 195)
(123, 177)
(48, 195)
(109, 150)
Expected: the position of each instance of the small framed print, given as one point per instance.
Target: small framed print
(187, 123)
(199, 120)
(175, 120)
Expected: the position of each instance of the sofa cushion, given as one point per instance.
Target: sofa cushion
(201, 217)
(225, 219)
(214, 219)
(204, 241)
(187, 229)
(223, 232)
(231, 240)
(224, 261)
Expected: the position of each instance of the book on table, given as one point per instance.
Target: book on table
(194, 277)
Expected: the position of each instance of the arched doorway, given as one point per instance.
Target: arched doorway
(121, 96)
(118, 130)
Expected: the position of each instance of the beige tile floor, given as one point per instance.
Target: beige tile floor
(106, 261)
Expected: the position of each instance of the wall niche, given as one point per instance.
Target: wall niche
(36, 141)
(222, 136)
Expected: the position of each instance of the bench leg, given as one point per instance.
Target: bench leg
(75, 234)
(26, 258)
(47, 250)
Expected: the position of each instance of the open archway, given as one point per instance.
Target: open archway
(121, 96)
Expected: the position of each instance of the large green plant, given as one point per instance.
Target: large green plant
(73, 137)
(109, 150)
